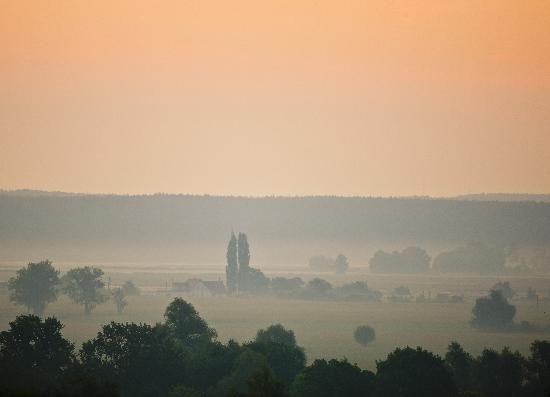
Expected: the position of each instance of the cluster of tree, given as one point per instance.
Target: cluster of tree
(38, 284)
(338, 265)
(318, 288)
(181, 357)
(474, 257)
(471, 258)
(410, 260)
(240, 277)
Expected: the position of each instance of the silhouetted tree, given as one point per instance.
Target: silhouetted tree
(142, 359)
(493, 311)
(276, 334)
(119, 297)
(35, 286)
(285, 358)
(415, 260)
(333, 379)
(232, 268)
(539, 369)
(471, 258)
(358, 290)
(257, 282)
(414, 373)
(319, 287)
(85, 287)
(130, 289)
(462, 365)
(243, 251)
(410, 260)
(262, 384)
(341, 264)
(500, 374)
(364, 335)
(321, 263)
(185, 323)
(505, 289)
(33, 352)
(286, 285)
(324, 264)
(246, 364)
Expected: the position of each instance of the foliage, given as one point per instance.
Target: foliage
(333, 379)
(282, 285)
(341, 264)
(257, 282)
(462, 365)
(358, 290)
(539, 368)
(185, 323)
(318, 287)
(140, 358)
(242, 370)
(130, 289)
(232, 270)
(471, 258)
(278, 346)
(181, 358)
(264, 384)
(493, 311)
(415, 373)
(35, 286)
(276, 334)
(364, 335)
(33, 351)
(243, 254)
(184, 391)
(322, 263)
(410, 260)
(119, 297)
(85, 287)
(505, 289)
(499, 374)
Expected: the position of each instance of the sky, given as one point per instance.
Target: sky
(363, 98)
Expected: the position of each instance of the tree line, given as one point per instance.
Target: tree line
(38, 284)
(473, 257)
(181, 356)
(182, 219)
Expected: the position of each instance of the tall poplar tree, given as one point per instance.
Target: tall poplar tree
(232, 268)
(244, 261)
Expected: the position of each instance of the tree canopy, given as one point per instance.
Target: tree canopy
(35, 286)
(493, 311)
(185, 323)
(85, 287)
(33, 351)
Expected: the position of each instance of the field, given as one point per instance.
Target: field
(323, 328)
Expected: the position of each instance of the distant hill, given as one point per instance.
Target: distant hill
(542, 198)
(177, 219)
(37, 193)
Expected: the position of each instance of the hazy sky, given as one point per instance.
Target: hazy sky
(275, 97)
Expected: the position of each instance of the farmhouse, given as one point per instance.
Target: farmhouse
(199, 288)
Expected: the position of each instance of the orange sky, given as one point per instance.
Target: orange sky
(275, 97)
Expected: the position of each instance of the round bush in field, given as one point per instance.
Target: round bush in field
(364, 335)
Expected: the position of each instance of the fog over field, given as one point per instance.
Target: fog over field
(350, 279)
(275, 198)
